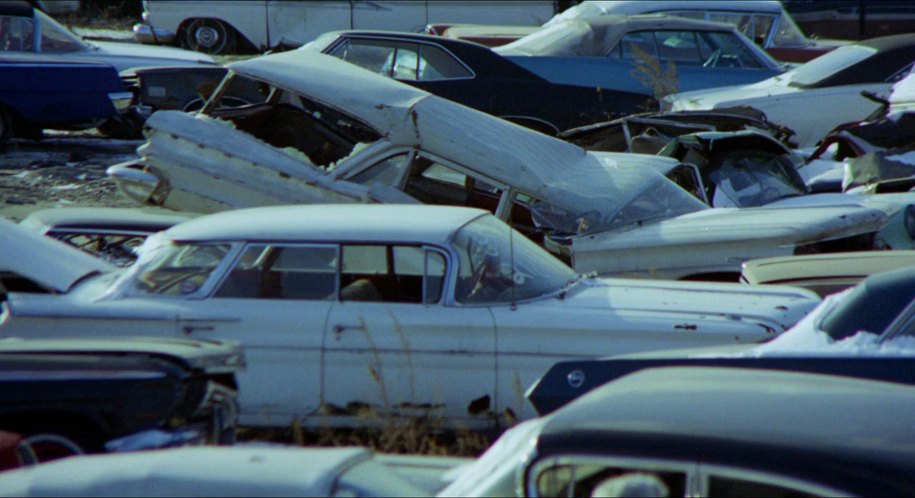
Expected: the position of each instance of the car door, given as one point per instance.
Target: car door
(274, 300)
(392, 349)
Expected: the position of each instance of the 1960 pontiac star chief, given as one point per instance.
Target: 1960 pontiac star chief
(314, 140)
(400, 310)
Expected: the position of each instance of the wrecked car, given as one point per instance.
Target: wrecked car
(832, 89)
(350, 314)
(248, 470)
(477, 77)
(640, 53)
(865, 332)
(708, 431)
(71, 396)
(648, 133)
(113, 234)
(378, 140)
(47, 92)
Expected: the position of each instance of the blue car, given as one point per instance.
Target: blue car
(651, 54)
(38, 92)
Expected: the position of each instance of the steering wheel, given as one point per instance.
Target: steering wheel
(712, 60)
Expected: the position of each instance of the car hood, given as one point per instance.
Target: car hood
(126, 55)
(211, 356)
(51, 263)
(781, 305)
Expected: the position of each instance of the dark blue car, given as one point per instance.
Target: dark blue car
(38, 92)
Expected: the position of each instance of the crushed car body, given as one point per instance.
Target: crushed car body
(378, 140)
(321, 293)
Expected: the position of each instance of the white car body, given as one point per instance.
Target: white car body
(198, 163)
(271, 23)
(464, 348)
(216, 471)
(828, 88)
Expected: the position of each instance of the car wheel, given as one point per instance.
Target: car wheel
(128, 126)
(210, 36)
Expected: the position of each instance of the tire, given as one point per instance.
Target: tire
(210, 36)
(128, 126)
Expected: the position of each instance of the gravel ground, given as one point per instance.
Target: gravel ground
(61, 170)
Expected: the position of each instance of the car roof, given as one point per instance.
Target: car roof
(198, 471)
(745, 417)
(145, 218)
(329, 222)
(891, 42)
(630, 7)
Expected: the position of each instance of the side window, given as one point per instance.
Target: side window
(436, 64)
(391, 273)
(729, 51)
(679, 47)
(55, 39)
(366, 54)
(588, 479)
(17, 34)
(631, 43)
(282, 272)
(725, 487)
(436, 183)
(389, 172)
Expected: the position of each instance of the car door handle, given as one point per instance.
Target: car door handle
(339, 329)
(188, 329)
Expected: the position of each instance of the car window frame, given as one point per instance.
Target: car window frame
(347, 39)
(705, 470)
(637, 463)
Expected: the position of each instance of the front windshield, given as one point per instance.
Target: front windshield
(750, 179)
(826, 65)
(56, 38)
(562, 38)
(499, 265)
(178, 268)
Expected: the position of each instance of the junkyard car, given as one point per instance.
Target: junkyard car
(705, 431)
(249, 471)
(378, 140)
(765, 22)
(862, 332)
(828, 88)
(238, 25)
(113, 234)
(824, 273)
(477, 77)
(610, 51)
(38, 92)
(76, 395)
(24, 28)
(348, 310)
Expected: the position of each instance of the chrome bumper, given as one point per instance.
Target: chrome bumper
(145, 33)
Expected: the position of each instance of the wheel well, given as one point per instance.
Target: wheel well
(242, 43)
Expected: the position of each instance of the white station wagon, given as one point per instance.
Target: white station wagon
(392, 310)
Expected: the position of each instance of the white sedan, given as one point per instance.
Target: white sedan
(365, 311)
(821, 94)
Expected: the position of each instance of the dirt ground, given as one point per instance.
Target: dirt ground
(62, 169)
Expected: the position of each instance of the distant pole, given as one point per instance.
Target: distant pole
(862, 29)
